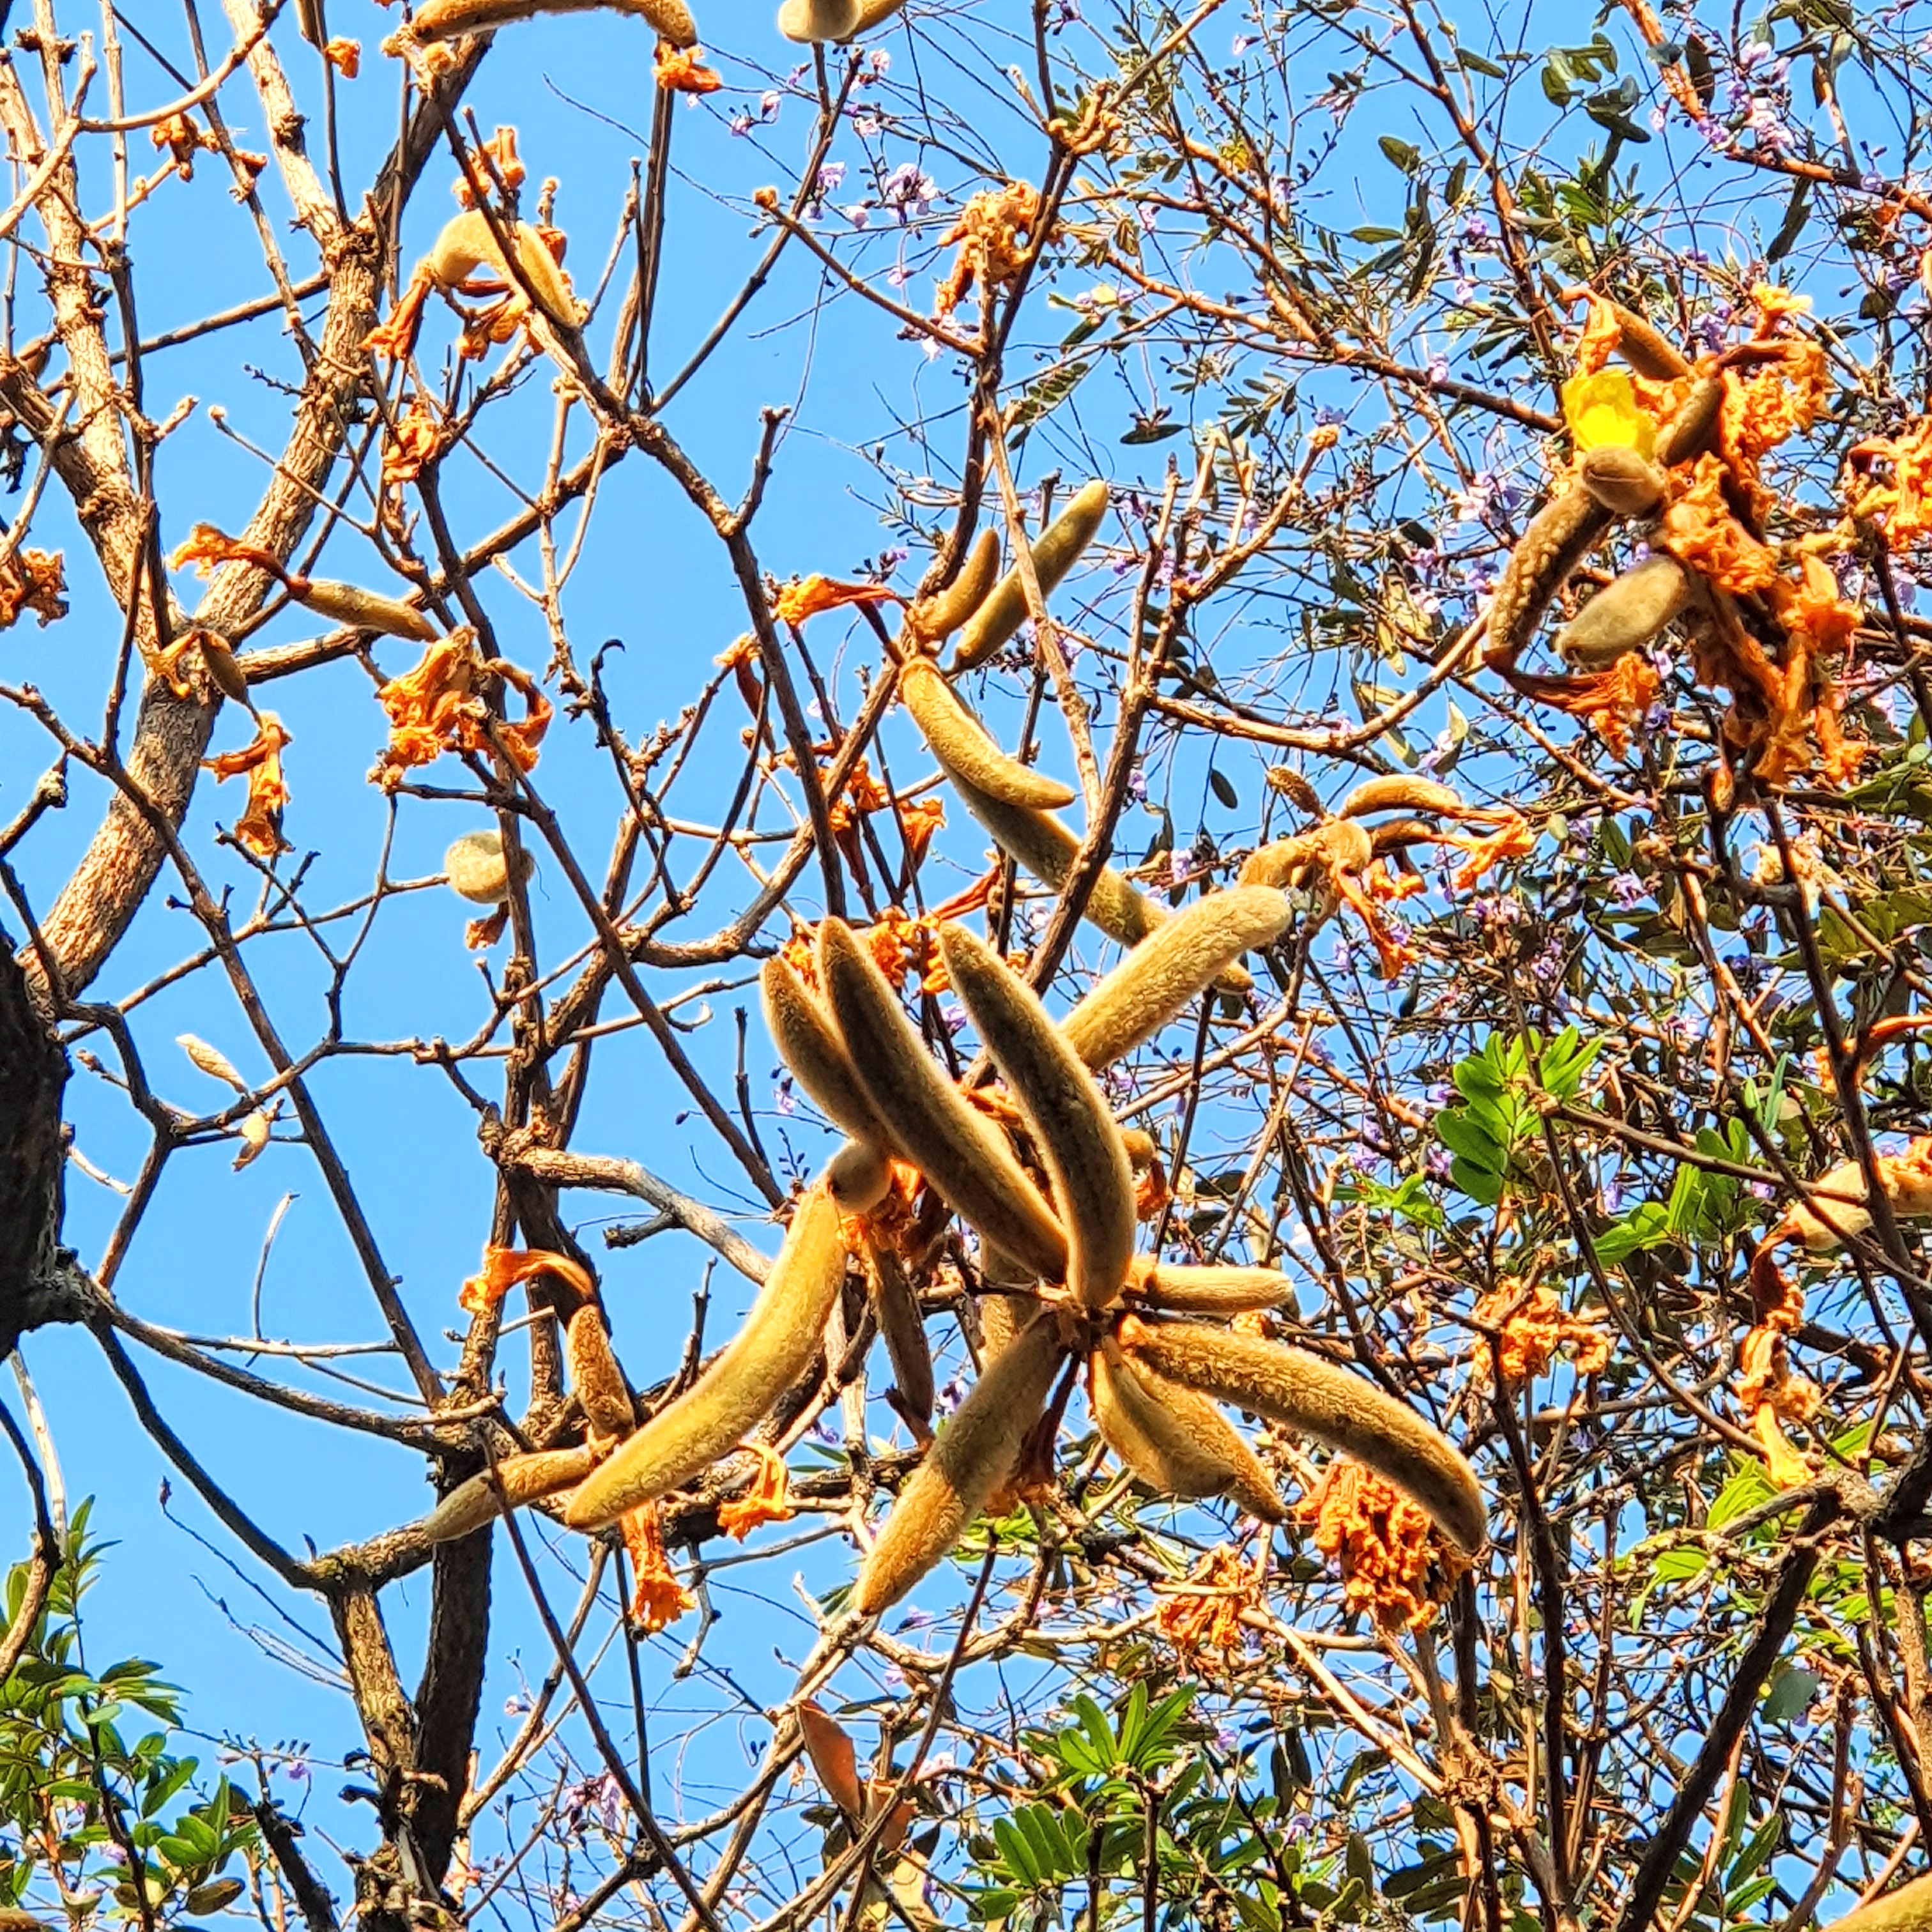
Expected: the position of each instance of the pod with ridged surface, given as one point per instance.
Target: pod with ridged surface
(934, 619)
(964, 747)
(595, 1374)
(1401, 791)
(1339, 845)
(1055, 552)
(1625, 614)
(808, 1043)
(1907, 1909)
(1185, 1290)
(516, 1480)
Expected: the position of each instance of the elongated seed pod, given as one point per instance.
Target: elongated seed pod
(1690, 429)
(1175, 1441)
(934, 619)
(903, 1328)
(960, 1153)
(1140, 1145)
(223, 665)
(1072, 1126)
(1183, 955)
(1401, 791)
(858, 1176)
(1621, 481)
(1002, 1316)
(1055, 552)
(350, 604)
(1626, 613)
(478, 871)
(1339, 845)
(808, 1043)
(519, 1479)
(807, 21)
(963, 747)
(774, 1348)
(871, 14)
(1647, 351)
(594, 1374)
(438, 19)
(1907, 1909)
(976, 1453)
(1337, 1408)
(1560, 535)
(1207, 1290)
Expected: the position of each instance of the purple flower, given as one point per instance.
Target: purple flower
(1438, 1162)
(824, 183)
(907, 191)
(1628, 890)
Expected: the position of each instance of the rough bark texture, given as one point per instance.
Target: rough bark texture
(33, 1072)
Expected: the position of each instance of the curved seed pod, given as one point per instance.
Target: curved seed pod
(1401, 791)
(1208, 1291)
(963, 1155)
(774, 1348)
(963, 746)
(1072, 1127)
(1339, 845)
(1002, 1316)
(1647, 351)
(1907, 1909)
(477, 870)
(1560, 535)
(350, 604)
(438, 19)
(594, 1374)
(1338, 1409)
(1183, 955)
(1690, 429)
(222, 666)
(1621, 480)
(871, 14)
(808, 1043)
(519, 1479)
(1055, 552)
(807, 21)
(976, 1453)
(858, 1176)
(903, 1328)
(934, 619)
(1140, 1145)
(1175, 1441)
(1394, 835)
(1626, 613)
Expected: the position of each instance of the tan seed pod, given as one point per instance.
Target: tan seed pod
(477, 870)
(774, 1348)
(1183, 955)
(962, 1155)
(1625, 614)
(1907, 1909)
(1647, 352)
(210, 1061)
(1339, 845)
(253, 1131)
(518, 1479)
(223, 665)
(903, 1328)
(934, 619)
(1207, 1290)
(808, 1043)
(1138, 1142)
(594, 1374)
(1689, 431)
(1175, 1441)
(1002, 1316)
(1055, 551)
(976, 1453)
(1622, 481)
(1401, 791)
(872, 13)
(1315, 1397)
(350, 604)
(858, 1176)
(807, 21)
(963, 747)
(1560, 535)
(439, 19)
(1072, 1125)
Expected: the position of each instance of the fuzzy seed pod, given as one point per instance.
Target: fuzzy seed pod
(594, 1374)
(1560, 535)
(210, 1061)
(975, 1454)
(903, 1328)
(518, 1479)
(1336, 1408)
(873, 13)
(1207, 1290)
(1688, 432)
(1621, 480)
(858, 1176)
(1401, 791)
(465, 244)
(1647, 351)
(931, 621)
(1907, 1909)
(808, 1043)
(1002, 1316)
(1175, 1441)
(1625, 614)
(1054, 553)
(1339, 845)
(253, 1131)
(963, 1155)
(223, 665)
(477, 871)
(350, 604)
(807, 21)
(1138, 1141)
(1072, 1126)
(439, 19)
(963, 747)
(774, 1348)
(1182, 957)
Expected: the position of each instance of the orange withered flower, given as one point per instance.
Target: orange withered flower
(678, 71)
(768, 1500)
(345, 56)
(438, 707)
(659, 1599)
(259, 829)
(1394, 1565)
(503, 1268)
(1534, 1325)
(35, 581)
(1514, 841)
(408, 446)
(989, 234)
(1206, 1614)
(805, 597)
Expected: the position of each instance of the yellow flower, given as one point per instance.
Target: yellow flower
(1602, 408)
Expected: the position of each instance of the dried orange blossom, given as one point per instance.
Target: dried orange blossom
(259, 829)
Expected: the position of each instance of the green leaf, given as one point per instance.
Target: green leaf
(1405, 156)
